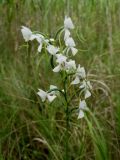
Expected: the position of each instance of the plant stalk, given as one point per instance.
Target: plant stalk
(67, 121)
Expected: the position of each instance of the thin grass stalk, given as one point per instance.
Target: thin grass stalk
(28, 56)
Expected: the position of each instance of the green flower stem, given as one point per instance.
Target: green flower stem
(67, 118)
(52, 62)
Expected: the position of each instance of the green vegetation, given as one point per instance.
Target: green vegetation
(32, 130)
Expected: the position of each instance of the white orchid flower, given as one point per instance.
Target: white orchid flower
(41, 40)
(52, 49)
(82, 108)
(87, 87)
(69, 42)
(27, 33)
(80, 74)
(70, 66)
(63, 64)
(61, 60)
(68, 24)
(46, 96)
(29, 36)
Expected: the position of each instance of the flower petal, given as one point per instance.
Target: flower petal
(40, 47)
(42, 94)
(87, 93)
(33, 36)
(51, 97)
(69, 42)
(81, 114)
(68, 24)
(26, 32)
(52, 49)
(74, 51)
(83, 105)
(61, 58)
(57, 68)
(76, 80)
(70, 65)
(67, 34)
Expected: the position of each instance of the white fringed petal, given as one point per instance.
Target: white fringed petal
(87, 94)
(57, 68)
(69, 42)
(74, 51)
(52, 49)
(68, 24)
(80, 114)
(27, 33)
(83, 105)
(67, 34)
(42, 94)
(76, 80)
(82, 108)
(51, 97)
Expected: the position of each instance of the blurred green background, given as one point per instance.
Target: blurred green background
(31, 130)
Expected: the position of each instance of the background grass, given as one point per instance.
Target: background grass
(31, 130)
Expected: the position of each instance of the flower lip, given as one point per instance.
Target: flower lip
(82, 108)
(70, 42)
(68, 24)
(46, 95)
(27, 33)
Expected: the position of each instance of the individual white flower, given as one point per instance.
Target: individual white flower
(80, 74)
(40, 39)
(46, 96)
(68, 24)
(61, 60)
(27, 33)
(57, 68)
(63, 64)
(82, 108)
(69, 42)
(86, 86)
(70, 65)
(52, 49)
